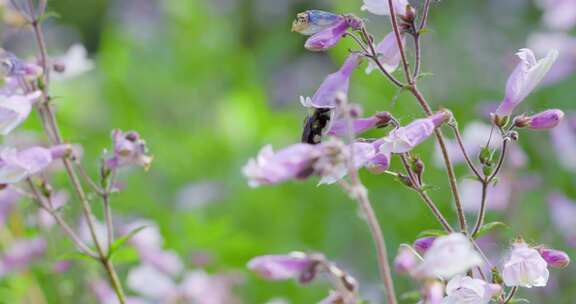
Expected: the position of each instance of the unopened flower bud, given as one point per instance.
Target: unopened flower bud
(545, 120)
(410, 14)
(406, 259)
(423, 244)
(554, 258)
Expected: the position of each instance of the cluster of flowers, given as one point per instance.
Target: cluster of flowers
(451, 268)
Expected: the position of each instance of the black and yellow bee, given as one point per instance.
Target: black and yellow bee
(315, 125)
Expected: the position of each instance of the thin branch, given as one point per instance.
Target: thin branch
(467, 158)
(396, 29)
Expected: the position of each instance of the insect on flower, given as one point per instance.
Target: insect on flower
(313, 21)
(315, 125)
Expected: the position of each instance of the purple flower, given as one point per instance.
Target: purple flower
(563, 216)
(13, 67)
(380, 7)
(423, 244)
(18, 165)
(554, 258)
(335, 84)
(545, 120)
(525, 267)
(14, 110)
(388, 54)
(381, 160)
(129, 149)
(405, 138)
(360, 125)
(282, 267)
(314, 21)
(293, 162)
(524, 79)
(406, 260)
(20, 254)
(328, 37)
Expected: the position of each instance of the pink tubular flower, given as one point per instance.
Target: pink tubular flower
(423, 244)
(563, 216)
(282, 267)
(448, 256)
(466, 290)
(327, 38)
(360, 125)
(525, 267)
(129, 149)
(406, 259)
(554, 258)
(14, 110)
(335, 84)
(388, 54)
(406, 138)
(18, 165)
(524, 79)
(545, 120)
(380, 7)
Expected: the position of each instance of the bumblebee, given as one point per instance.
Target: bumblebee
(315, 125)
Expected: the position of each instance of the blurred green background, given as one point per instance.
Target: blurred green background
(207, 83)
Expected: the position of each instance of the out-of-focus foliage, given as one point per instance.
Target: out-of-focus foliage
(207, 83)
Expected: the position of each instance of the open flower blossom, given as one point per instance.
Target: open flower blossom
(335, 84)
(525, 267)
(72, 64)
(314, 21)
(20, 254)
(466, 290)
(14, 110)
(282, 267)
(129, 149)
(563, 216)
(12, 67)
(300, 161)
(381, 7)
(555, 258)
(545, 120)
(448, 256)
(406, 138)
(388, 54)
(17, 165)
(380, 162)
(359, 125)
(524, 79)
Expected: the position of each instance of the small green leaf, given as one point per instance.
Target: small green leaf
(120, 241)
(520, 300)
(489, 227)
(48, 15)
(431, 232)
(75, 256)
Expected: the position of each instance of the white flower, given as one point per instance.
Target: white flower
(14, 110)
(448, 256)
(75, 63)
(380, 7)
(466, 290)
(525, 267)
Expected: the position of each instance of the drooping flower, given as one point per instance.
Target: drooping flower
(524, 79)
(544, 120)
(14, 110)
(335, 84)
(327, 38)
(72, 64)
(405, 138)
(448, 256)
(525, 267)
(314, 21)
(406, 259)
(129, 149)
(18, 165)
(466, 290)
(563, 216)
(388, 54)
(359, 125)
(282, 267)
(381, 7)
(20, 254)
(554, 258)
